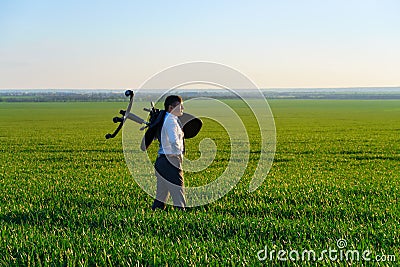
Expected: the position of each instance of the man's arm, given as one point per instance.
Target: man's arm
(173, 132)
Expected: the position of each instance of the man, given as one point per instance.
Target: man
(168, 165)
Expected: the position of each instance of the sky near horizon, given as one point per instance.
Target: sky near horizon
(277, 44)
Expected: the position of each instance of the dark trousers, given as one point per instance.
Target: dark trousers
(168, 169)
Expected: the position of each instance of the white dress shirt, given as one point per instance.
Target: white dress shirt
(171, 136)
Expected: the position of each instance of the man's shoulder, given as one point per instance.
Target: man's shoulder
(171, 119)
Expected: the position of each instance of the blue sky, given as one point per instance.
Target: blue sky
(119, 44)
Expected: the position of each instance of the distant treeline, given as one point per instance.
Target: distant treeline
(58, 97)
(87, 96)
(354, 96)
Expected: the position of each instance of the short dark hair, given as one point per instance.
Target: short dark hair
(170, 100)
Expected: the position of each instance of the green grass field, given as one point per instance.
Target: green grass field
(67, 197)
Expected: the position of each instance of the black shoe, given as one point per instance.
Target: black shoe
(158, 204)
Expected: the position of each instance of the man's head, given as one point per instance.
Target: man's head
(174, 105)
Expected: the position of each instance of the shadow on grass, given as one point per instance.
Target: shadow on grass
(376, 157)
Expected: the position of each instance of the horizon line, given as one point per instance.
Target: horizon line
(261, 88)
